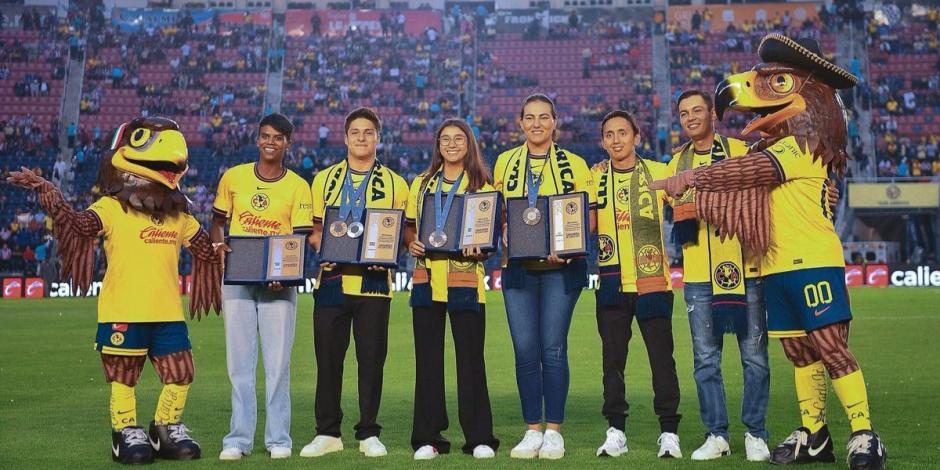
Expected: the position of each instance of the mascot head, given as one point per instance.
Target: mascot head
(793, 93)
(149, 160)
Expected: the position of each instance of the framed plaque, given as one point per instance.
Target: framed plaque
(451, 225)
(480, 222)
(336, 246)
(568, 224)
(381, 241)
(260, 260)
(526, 240)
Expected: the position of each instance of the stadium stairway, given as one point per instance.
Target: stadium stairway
(662, 117)
(850, 43)
(274, 78)
(75, 75)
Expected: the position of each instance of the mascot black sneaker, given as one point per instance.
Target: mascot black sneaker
(804, 447)
(172, 442)
(130, 446)
(866, 452)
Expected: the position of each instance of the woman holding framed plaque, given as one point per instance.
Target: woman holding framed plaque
(450, 282)
(260, 199)
(540, 293)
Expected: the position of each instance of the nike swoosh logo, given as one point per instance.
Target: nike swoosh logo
(820, 312)
(123, 412)
(155, 444)
(259, 188)
(813, 452)
(116, 450)
(853, 405)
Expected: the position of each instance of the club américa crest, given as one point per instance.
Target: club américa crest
(605, 247)
(649, 259)
(727, 275)
(260, 201)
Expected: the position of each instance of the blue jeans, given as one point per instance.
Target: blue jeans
(539, 317)
(706, 347)
(250, 312)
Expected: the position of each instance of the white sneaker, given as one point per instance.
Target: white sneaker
(372, 447)
(529, 447)
(483, 451)
(425, 453)
(553, 445)
(756, 448)
(714, 447)
(279, 452)
(322, 445)
(614, 445)
(669, 446)
(230, 453)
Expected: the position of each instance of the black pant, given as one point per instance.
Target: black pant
(368, 317)
(614, 326)
(473, 398)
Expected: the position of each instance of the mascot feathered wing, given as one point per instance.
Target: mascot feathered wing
(143, 173)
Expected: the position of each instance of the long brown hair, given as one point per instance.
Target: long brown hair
(477, 171)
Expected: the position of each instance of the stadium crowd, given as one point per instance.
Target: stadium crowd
(209, 82)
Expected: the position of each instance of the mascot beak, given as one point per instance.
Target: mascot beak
(159, 156)
(746, 92)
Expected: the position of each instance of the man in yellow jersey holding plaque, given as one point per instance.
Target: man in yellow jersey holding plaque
(723, 293)
(260, 199)
(775, 200)
(352, 296)
(635, 282)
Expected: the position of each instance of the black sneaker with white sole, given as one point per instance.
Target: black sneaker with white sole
(801, 446)
(130, 446)
(172, 442)
(866, 452)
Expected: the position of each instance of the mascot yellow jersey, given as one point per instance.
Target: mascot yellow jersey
(141, 283)
(802, 232)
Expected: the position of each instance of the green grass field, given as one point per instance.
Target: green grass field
(54, 401)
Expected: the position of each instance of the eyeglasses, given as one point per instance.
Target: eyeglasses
(445, 141)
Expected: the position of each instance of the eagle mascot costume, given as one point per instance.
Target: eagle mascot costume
(775, 201)
(144, 219)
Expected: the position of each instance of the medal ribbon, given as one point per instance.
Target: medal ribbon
(532, 183)
(352, 200)
(441, 211)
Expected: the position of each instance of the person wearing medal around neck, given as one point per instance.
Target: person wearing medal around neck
(262, 198)
(540, 295)
(351, 297)
(451, 283)
(635, 282)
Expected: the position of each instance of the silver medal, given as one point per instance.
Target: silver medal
(531, 216)
(355, 230)
(438, 239)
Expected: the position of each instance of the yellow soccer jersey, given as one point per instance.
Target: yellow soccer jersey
(563, 172)
(263, 207)
(614, 235)
(386, 190)
(802, 234)
(141, 284)
(696, 265)
(439, 262)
